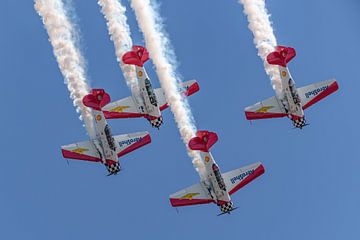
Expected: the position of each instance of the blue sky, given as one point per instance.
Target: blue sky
(311, 185)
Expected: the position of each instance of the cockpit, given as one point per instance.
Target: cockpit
(218, 177)
(294, 93)
(109, 138)
(150, 92)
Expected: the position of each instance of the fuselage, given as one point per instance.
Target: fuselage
(215, 183)
(105, 144)
(148, 97)
(291, 100)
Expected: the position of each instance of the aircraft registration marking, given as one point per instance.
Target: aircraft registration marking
(316, 91)
(130, 141)
(241, 176)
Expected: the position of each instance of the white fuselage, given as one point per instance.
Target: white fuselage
(107, 144)
(291, 99)
(214, 182)
(151, 107)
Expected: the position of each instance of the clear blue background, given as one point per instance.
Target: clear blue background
(311, 186)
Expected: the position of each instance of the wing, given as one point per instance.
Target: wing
(236, 179)
(190, 87)
(269, 108)
(124, 108)
(131, 142)
(196, 194)
(81, 151)
(313, 93)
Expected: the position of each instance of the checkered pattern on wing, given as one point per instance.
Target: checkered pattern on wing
(157, 122)
(299, 123)
(113, 168)
(226, 207)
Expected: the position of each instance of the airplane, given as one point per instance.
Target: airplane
(106, 148)
(217, 187)
(149, 102)
(294, 100)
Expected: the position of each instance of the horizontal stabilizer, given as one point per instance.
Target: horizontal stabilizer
(123, 108)
(137, 56)
(203, 141)
(96, 99)
(190, 87)
(281, 56)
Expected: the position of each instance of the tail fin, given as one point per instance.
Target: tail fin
(281, 56)
(137, 56)
(203, 141)
(96, 99)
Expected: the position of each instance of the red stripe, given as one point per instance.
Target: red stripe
(258, 171)
(332, 88)
(78, 156)
(145, 140)
(259, 115)
(165, 106)
(111, 115)
(110, 162)
(149, 117)
(192, 89)
(176, 202)
(221, 202)
(295, 117)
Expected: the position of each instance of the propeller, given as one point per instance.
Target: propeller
(306, 124)
(228, 212)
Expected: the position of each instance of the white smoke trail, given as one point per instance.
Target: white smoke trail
(264, 37)
(62, 36)
(163, 57)
(119, 31)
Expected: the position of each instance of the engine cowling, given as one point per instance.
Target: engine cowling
(226, 207)
(299, 122)
(157, 122)
(112, 167)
